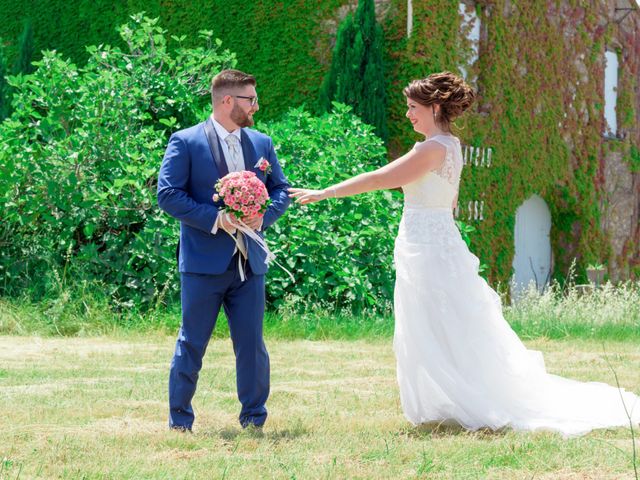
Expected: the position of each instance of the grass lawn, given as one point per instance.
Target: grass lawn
(96, 407)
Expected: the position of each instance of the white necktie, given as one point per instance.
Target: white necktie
(234, 153)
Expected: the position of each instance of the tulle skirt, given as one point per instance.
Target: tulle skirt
(459, 361)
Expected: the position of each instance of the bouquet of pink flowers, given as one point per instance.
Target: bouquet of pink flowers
(243, 193)
(245, 196)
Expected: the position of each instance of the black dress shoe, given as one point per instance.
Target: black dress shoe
(253, 430)
(253, 426)
(180, 428)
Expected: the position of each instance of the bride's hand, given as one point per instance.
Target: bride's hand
(304, 195)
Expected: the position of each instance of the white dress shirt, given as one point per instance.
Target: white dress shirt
(222, 135)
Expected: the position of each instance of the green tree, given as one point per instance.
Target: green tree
(356, 76)
(79, 161)
(5, 104)
(25, 51)
(339, 252)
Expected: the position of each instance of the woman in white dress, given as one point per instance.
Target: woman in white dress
(458, 360)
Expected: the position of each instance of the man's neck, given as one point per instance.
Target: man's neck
(226, 123)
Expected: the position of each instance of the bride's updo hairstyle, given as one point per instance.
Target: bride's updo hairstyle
(446, 89)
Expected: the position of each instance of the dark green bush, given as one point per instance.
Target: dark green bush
(5, 99)
(356, 76)
(79, 158)
(340, 252)
(25, 50)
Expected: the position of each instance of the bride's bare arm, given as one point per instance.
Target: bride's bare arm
(409, 167)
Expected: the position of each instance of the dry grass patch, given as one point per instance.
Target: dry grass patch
(96, 408)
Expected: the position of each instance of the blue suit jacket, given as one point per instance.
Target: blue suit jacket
(192, 164)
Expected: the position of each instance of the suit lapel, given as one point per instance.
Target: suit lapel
(214, 146)
(248, 151)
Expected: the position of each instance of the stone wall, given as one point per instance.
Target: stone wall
(621, 209)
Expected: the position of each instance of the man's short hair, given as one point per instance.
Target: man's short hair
(228, 82)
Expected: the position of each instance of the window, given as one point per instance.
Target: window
(610, 93)
(470, 30)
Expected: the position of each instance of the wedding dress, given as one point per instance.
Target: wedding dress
(458, 360)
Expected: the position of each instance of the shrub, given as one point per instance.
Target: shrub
(25, 50)
(5, 99)
(356, 76)
(79, 158)
(340, 252)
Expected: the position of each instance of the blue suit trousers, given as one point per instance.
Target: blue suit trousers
(243, 303)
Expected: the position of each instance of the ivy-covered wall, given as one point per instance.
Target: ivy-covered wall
(540, 78)
(285, 44)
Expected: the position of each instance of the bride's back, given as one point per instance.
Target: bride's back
(437, 188)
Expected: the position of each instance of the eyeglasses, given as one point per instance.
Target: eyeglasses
(252, 100)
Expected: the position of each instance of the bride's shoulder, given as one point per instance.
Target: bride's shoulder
(432, 144)
(446, 139)
(430, 151)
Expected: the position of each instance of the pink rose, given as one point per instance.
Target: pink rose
(263, 165)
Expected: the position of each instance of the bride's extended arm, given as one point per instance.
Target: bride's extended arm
(404, 170)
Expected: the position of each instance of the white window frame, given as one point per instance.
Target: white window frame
(611, 68)
(470, 18)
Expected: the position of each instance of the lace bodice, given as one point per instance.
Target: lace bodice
(438, 188)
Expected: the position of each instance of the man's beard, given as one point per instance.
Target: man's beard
(240, 117)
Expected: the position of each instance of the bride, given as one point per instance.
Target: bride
(458, 361)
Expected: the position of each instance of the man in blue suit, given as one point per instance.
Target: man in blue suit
(213, 273)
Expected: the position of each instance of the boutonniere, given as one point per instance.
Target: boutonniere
(263, 165)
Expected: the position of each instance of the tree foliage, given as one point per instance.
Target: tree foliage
(25, 50)
(340, 252)
(5, 99)
(356, 76)
(79, 158)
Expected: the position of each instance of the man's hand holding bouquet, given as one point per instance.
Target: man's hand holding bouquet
(245, 200)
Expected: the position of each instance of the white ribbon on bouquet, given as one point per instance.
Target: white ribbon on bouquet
(243, 229)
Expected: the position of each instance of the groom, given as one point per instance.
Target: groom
(213, 273)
